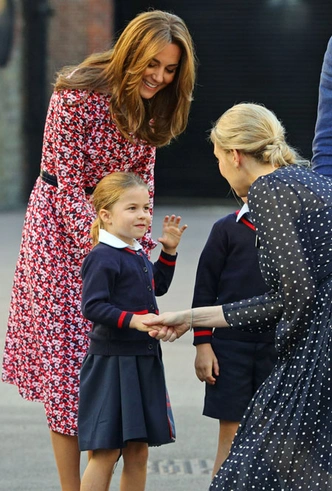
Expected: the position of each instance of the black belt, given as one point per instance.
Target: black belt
(52, 180)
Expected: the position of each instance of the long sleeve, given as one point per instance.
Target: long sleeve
(322, 143)
(228, 271)
(82, 144)
(208, 276)
(70, 118)
(277, 211)
(120, 282)
(99, 283)
(163, 272)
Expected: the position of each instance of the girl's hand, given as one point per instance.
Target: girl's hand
(172, 233)
(170, 325)
(136, 322)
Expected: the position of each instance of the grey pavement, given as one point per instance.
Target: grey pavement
(26, 458)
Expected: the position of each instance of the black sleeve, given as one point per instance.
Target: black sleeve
(276, 210)
(210, 266)
(163, 272)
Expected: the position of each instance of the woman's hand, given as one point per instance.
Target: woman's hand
(170, 325)
(172, 233)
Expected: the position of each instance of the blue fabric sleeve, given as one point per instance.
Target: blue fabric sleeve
(322, 143)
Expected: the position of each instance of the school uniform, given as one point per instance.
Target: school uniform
(228, 271)
(123, 395)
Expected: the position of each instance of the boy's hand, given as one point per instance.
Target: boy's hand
(172, 233)
(206, 364)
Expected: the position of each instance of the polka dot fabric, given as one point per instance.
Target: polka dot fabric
(284, 440)
(47, 334)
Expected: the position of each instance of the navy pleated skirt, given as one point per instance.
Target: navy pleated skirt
(123, 398)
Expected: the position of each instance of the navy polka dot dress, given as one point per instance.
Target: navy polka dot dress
(284, 441)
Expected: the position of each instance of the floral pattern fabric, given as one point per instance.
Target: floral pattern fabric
(47, 339)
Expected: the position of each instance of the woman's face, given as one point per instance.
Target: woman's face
(160, 71)
(230, 169)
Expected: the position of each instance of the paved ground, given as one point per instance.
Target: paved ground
(26, 459)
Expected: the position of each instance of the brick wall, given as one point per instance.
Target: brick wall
(10, 124)
(76, 28)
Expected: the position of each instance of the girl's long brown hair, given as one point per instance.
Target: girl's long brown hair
(119, 72)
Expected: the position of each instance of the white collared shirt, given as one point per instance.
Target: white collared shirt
(111, 240)
(243, 211)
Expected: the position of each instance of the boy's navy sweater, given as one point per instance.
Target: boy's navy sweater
(228, 271)
(118, 283)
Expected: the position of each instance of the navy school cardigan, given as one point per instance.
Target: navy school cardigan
(118, 283)
(228, 271)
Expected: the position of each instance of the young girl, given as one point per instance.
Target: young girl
(123, 405)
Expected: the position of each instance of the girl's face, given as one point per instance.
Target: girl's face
(160, 71)
(129, 218)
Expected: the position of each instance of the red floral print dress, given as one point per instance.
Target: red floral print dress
(47, 334)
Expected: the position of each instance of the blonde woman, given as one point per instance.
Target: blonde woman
(107, 114)
(284, 439)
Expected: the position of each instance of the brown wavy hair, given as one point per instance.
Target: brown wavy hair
(119, 71)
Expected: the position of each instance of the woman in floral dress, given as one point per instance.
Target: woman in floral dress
(107, 114)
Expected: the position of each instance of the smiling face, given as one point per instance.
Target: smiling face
(160, 71)
(129, 218)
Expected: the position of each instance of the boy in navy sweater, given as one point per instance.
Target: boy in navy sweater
(231, 362)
